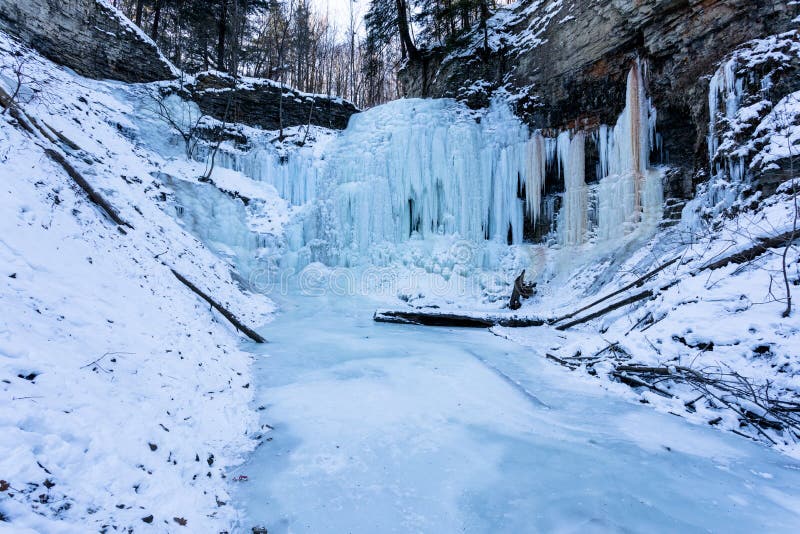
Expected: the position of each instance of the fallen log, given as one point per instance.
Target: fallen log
(624, 302)
(32, 126)
(93, 195)
(762, 246)
(420, 317)
(638, 282)
(252, 334)
(72, 145)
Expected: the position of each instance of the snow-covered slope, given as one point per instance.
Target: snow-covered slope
(123, 396)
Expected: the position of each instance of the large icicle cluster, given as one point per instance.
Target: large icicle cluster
(413, 170)
(295, 178)
(629, 192)
(420, 168)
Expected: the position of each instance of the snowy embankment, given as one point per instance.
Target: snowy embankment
(123, 396)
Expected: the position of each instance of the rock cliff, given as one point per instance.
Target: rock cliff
(564, 64)
(88, 36)
(260, 103)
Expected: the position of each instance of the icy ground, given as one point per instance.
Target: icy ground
(386, 428)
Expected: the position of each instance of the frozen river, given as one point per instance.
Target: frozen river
(389, 428)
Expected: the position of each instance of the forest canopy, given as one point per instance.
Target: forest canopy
(291, 41)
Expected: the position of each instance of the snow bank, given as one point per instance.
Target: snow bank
(123, 397)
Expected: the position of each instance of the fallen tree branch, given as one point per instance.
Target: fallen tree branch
(624, 302)
(252, 334)
(762, 246)
(637, 382)
(636, 283)
(751, 403)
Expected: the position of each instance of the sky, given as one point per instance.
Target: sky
(339, 11)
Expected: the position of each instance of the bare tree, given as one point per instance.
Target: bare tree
(785, 123)
(184, 117)
(16, 66)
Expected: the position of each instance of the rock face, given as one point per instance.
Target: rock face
(88, 36)
(567, 62)
(260, 103)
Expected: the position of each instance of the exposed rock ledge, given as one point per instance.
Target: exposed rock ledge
(567, 63)
(88, 36)
(257, 102)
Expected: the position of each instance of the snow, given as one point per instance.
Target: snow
(103, 352)
(738, 103)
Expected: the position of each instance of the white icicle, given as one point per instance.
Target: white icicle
(572, 220)
(535, 170)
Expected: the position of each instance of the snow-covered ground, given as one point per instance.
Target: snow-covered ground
(123, 397)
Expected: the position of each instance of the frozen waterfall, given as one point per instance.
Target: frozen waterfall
(417, 170)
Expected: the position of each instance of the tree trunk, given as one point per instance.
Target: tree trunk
(139, 11)
(156, 20)
(222, 27)
(405, 31)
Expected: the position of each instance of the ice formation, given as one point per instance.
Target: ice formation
(725, 90)
(572, 221)
(414, 170)
(629, 191)
(727, 175)
(295, 178)
(536, 157)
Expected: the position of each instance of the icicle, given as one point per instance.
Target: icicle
(573, 217)
(535, 171)
(624, 155)
(723, 84)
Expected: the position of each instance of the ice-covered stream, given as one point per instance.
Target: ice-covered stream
(386, 428)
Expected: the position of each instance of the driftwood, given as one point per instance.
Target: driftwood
(252, 334)
(428, 318)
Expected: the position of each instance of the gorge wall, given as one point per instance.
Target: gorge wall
(265, 103)
(565, 65)
(88, 36)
